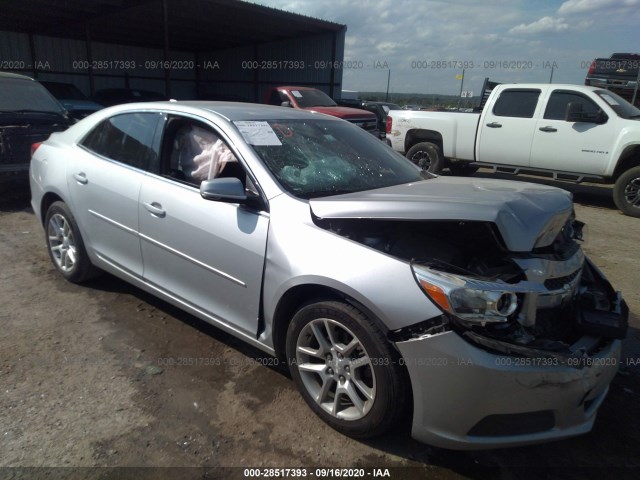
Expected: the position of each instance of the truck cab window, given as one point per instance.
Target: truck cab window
(517, 103)
(559, 100)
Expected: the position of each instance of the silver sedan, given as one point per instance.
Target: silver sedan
(377, 283)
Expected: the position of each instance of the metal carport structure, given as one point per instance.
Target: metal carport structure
(181, 47)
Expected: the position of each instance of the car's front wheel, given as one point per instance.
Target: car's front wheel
(65, 244)
(346, 369)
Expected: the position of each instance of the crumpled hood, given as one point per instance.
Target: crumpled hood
(521, 211)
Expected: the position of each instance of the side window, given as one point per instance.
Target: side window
(559, 100)
(129, 138)
(516, 103)
(192, 152)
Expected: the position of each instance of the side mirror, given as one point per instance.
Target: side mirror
(286, 104)
(573, 113)
(223, 190)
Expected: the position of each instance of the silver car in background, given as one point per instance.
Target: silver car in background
(377, 283)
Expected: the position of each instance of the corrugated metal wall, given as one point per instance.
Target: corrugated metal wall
(250, 71)
(241, 73)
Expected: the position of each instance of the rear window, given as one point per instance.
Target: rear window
(517, 103)
(129, 138)
(18, 95)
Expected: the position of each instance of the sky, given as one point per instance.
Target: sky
(426, 43)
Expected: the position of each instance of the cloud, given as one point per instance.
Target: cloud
(544, 25)
(549, 25)
(582, 6)
(454, 32)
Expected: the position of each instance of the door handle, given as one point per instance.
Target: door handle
(548, 129)
(81, 178)
(494, 125)
(155, 209)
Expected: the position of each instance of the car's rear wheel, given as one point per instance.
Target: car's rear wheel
(427, 156)
(626, 192)
(65, 244)
(346, 369)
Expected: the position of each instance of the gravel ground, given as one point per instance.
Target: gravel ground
(84, 381)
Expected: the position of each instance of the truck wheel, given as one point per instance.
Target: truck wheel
(463, 169)
(345, 369)
(626, 192)
(427, 156)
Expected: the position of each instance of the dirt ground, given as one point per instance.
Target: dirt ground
(86, 381)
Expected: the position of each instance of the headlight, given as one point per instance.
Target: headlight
(471, 299)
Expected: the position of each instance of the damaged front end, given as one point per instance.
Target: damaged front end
(527, 341)
(551, 302)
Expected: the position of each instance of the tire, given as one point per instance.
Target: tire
(346, 369)
(427, 156)
(463, 169)
(65, 244)
(626, 192)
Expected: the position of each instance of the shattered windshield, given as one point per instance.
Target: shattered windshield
(319, 158)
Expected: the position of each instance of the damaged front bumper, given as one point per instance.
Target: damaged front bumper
(475, 389)
(467, 398)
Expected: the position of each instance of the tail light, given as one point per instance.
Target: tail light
(389, 124)
(34, 147)
(592, 68)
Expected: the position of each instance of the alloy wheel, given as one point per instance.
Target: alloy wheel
(336, 369)
(61, 242)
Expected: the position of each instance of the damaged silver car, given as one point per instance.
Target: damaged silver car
(467, 304)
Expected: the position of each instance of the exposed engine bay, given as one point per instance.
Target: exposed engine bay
(549, 302)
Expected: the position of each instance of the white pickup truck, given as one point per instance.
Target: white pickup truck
(569, 132)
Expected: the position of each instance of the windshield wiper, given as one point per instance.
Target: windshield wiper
(325, 193)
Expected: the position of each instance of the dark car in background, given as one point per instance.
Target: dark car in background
(28, 115)
(618, 73)
(381, 110)
(115, 96)
(72, 99)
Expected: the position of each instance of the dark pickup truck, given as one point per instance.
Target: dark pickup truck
(618, 73)
(28, 115)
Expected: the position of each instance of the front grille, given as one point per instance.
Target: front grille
(559, 282)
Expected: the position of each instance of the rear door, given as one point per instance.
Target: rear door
(209, 255)
(506, 132)
(105, 178)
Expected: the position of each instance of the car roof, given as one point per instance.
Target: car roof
(15, 75)
(230, 110)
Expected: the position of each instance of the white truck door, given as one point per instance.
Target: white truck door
(582, 147)
(506, 131)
